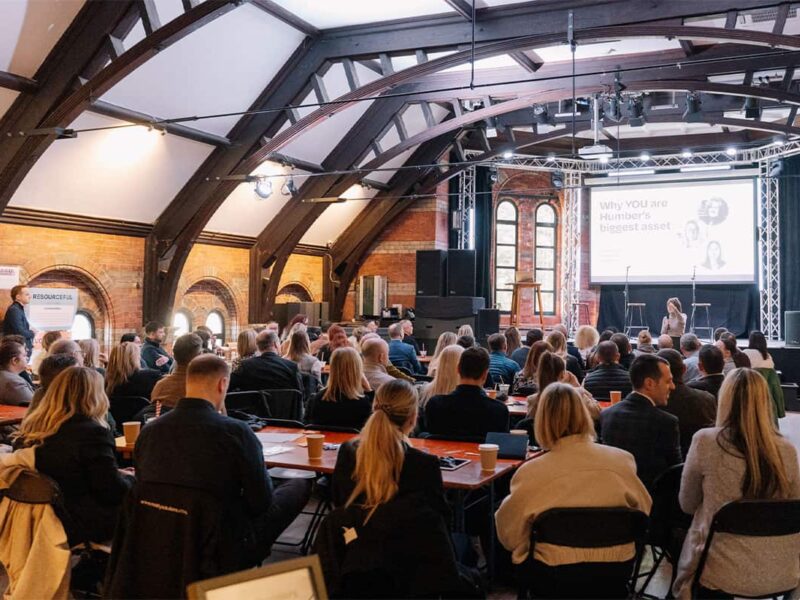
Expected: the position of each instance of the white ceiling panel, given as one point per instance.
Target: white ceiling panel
(336, 81)
(562, 52)
(414, 118)
(493, 62)
(244, 213)
(222, 67)
(397, 161)
(316, 143)
(325, 14)
(337, 217)
(7, 98)
(29, 29)
(127, 173)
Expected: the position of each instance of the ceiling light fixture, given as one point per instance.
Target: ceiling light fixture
(636, 112)
(644, 156)
(730, 151)
(263, 188)
(289, 188)
(686, 154)
(692, 113)
(752, 108)
(705, 168)
(540, 114)
(508, 155)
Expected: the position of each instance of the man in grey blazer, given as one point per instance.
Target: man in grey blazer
(14, 390)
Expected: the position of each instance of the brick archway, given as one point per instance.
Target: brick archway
(294, 292)
(209, 294)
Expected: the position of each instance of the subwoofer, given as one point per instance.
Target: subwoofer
(791, 319)
(461, 272)
(488, 322)
(431, 272)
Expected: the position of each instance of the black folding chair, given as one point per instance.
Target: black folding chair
(751, 518)
(285, 404)
(251, 402)
(285, 423)
(584, 528)
(126, 408)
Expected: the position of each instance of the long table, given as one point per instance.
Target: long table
(518, 406)
(12, 415)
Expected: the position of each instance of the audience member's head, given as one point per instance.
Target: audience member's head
(122, 363)
(644, 338)
(551, 369)
(358, 333)
(91, 352)
(728, 345)
(63, 346)
(13, 337)
(497, 342)
(299, 344)
(558, 342)
(560, 412)
(299, 318)
(513, 340)
(154, 331)
(473, 366)
(718, 333)
(375, 351)
(186, 348)
(50, 338)
(690, 344)
(205, 339)
(130, 337)
(396, 331)
(273, 327)
(371, 326)
(664, 342)
(408, 327)
(448, 338)
(464, 330)
(607, 353)
(711, 360)
(758, 341)
(447, 377)
(533, 335)
(532, 360)
(676, 366)
(268, 341)
(337, 337)
(622, 342)
(207, 377)
(466, 341)
(586, 337)
(746, 417)
(605, 335)
(367, 337)
(562, 329)
(651, 377)
(346, 377)
(53, 365)
(246, 343)
(13, 357)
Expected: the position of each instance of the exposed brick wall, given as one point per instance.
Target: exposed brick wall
(303, 270)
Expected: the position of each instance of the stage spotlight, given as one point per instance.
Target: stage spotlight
(540, 114)
(686, 154)
(776, 169)
(551, 157)
(752, 108)
(635, 112)
(614, 111)
(557, 179)
(730, 151)
(692, 113)
(604, 159)
(493, 174)
(263, 188)
(289, 188)
(644, 156)
(508, 155)
(778, 140)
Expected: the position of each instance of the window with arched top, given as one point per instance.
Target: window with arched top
(545, 255)
(181, 324)
(505, 253)
(82, 326)
(216, 323)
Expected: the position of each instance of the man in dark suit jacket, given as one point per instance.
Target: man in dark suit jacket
(268, 371)
(15, 322)
(468, 411)
(695, 409)
(608, 376)
(638, 425)
(710, 365)
(408, 335)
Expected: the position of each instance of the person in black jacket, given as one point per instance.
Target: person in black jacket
(74, 445)
(123, 375)
(15, 322)
(626, 355)
(347, 399)
(153, 354)
(468, 411)
(608, 376)
(268, 371)
(710, 363)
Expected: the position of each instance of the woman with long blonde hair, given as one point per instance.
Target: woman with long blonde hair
(295, 328)
(446, 378)
(743, 457)
(347, 399)
(91, 354)
(245, 347)
(124, 377)
(448, 338)
(465, 330)
(74, 445)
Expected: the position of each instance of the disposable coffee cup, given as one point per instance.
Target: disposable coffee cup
(491, 393)
(503, 388)
(616, 396)
(315, 441)
(518, 432)
(488, 456)
(423, 353)
(131, 430)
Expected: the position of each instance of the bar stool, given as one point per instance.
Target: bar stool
(630, 325)
(581, 308)
(515, 298)
(702, 306)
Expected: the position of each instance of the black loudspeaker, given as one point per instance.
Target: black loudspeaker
(428, 330)
(431, 272)
(461, 272)
(488, 322)
(451, 307)
(791, 320)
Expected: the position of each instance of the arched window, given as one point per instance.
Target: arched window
(505, 254)
(181, 324)
(216, 323)
(82, 326)
(545, 257)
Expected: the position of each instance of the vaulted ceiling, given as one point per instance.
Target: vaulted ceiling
(332, 98)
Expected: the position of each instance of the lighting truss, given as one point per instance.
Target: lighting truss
(769, 261)
(466, 207)
(571, 251)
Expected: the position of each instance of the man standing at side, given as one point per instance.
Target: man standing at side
(690, 348)
(15, 322)
(168, 390)
(153, 355)
(638, 425)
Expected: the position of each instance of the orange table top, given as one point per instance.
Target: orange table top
(12, 415)
(518, 405)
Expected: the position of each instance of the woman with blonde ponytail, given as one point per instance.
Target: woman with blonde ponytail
(380, 464)
(743, 457)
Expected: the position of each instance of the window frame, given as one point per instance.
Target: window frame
(221, 335)
(188, 316)
(554, 249)
(88, 316)
(498, 221)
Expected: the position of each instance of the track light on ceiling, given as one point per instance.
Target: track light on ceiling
(752, 108)
(730, 151)
(263, 188)
(540, 114)
(644, 156)
(636, 112)
(289, 188)
(686, 154)
(493, 174)
(614, 111)
(692, 113)
(508, 155)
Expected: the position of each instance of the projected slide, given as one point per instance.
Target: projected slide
(664, 231)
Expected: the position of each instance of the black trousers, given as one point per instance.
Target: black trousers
(289, 497)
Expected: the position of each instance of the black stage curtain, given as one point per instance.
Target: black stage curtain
(734, 307)
(789, 207)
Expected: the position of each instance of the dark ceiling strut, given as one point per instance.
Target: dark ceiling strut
(18, 83)
(288, 17)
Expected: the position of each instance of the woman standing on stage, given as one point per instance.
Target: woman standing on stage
(674, 324)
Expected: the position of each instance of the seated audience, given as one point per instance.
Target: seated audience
(690, 349)
(299, 352)
(513, 341)
(402, 355)
(267, 371)
(571, 349)
(371, 326)
(644, 344)
(245, 347)
(608, 376)
(390, 368)
(551, 369)
(358, 334)
(446, 379)
(48, 370)
(638, 425)
(134, 337)
(757, 352)
(205, 340)
(124, 377)
(710, 364)
(288, 340)
(448, 338)
(465, 330)
(64, 346)
(375, 352)
(665, 342)
(502, 368)
(153, 355)
(718, 333)
(466, 341)
(14, 390)
(558, 342)
(172, 387)
(336, 338)
(626, 355)
(734, 358)
(575, 471)
(301, 319)
(75, 446)
(408, 335)
(48, 339)
(193, 446)
(525, 379)
(586, 338)
(467, 411)
(347, 399)
(744, 456)
(531, 337)
(91, 355)
(605, 336)
(695, 409)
